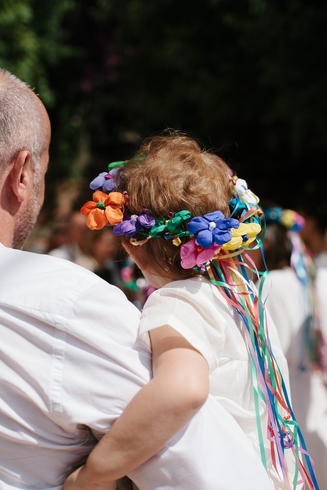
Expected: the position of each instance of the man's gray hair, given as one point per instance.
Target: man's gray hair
(21, 120)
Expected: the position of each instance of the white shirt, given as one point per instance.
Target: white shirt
(72, 252)
(199, 312)
(70, 361)
(321, 259)
(286, 304)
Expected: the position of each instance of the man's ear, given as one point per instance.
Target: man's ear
(20, 175)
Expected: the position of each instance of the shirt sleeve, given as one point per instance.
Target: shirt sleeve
(103, 364)
(193, 312)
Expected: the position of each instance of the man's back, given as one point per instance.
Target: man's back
(68, 365)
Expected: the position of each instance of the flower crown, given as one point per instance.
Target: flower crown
(207, 235)
(288, 218)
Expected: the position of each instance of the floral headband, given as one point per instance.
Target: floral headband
(208, 235)
(288, 218)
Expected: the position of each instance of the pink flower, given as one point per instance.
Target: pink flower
(193, 254)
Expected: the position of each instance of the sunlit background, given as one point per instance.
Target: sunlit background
(247, 78)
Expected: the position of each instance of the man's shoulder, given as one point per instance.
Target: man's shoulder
(34, 264)
(38, 282)
(41, 274)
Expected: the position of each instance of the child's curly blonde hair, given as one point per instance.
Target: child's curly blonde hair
(171, 173)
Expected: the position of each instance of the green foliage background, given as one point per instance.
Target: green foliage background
(248, 78)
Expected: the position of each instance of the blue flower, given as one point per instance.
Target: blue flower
(212, 228)
(105, 181)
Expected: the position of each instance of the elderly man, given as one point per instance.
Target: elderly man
(70, 358)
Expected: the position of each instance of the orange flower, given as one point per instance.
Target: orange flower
(105, 209)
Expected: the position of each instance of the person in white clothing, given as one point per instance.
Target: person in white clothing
(70, 357)
(77, 248)
(185, 218)
(295, 291)
(314, 231)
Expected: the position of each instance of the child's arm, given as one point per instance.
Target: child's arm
(179, 388)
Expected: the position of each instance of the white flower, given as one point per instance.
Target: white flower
(241, 188)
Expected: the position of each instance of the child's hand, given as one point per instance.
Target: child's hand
(78, 481)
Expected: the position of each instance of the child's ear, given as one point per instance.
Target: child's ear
(128, 246)
(21, 177)
(134, 252)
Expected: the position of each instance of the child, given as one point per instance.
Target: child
(185, 220)
(296, 300)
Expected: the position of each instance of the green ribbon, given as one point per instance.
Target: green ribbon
(174, 226)
(176, 223)
(159, 228)
(121, 163)
(117, 164)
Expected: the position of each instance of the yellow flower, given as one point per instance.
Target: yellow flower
(288, 218)
(242, 236)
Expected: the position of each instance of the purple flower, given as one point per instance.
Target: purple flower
(133, 224)
(105, 181)
(212, 228)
